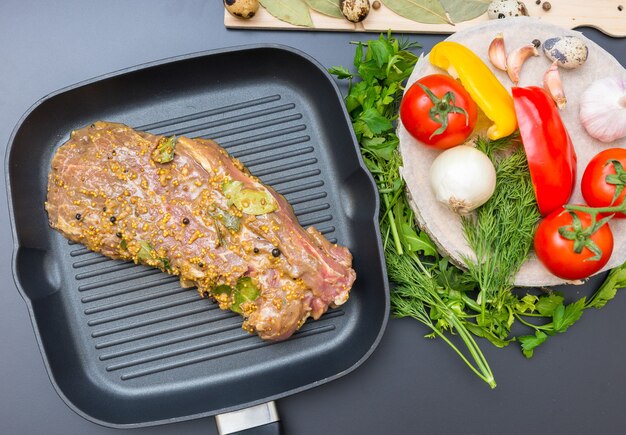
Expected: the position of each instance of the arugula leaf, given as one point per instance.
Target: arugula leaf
(450, 277)
(530, 342)
(417, 242)
(565, 316)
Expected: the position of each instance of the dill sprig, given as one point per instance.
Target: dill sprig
(502, 230)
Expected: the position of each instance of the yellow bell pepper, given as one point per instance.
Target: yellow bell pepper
(478, 80)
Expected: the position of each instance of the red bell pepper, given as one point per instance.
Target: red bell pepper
(549, 149)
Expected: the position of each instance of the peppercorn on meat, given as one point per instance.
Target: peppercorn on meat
(186, 207)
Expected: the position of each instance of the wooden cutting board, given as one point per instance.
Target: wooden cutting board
(608, 16)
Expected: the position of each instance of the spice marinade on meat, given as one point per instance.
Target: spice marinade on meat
(186, 207)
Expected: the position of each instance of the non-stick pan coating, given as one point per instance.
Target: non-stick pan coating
(124, 345)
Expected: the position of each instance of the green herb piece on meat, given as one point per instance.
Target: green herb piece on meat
(164, 151)
(231, 222)
(222, 290)
(145, 253)
(250, 201)
(165, 263)
(231, 190)
(245, 291)
(148, 255)
(255, 202)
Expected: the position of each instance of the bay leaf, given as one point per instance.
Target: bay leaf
(422, 11)
(465, 10)
(294, 12)
(326, 7)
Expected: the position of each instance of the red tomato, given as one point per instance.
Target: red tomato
(449, 106)
(557, 253)
(596, 190)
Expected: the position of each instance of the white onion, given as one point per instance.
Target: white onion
(463, 178)
(603, 109)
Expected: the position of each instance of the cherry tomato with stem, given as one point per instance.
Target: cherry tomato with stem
(574, 244)
(437, 111)
(604, 179)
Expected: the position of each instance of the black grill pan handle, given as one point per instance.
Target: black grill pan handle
(257, 420)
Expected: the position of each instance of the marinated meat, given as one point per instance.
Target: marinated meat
(186, 207)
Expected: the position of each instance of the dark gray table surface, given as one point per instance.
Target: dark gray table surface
(576, 384)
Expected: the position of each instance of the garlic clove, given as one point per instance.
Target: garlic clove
(516, 59)
(552, 84)
(497, 53)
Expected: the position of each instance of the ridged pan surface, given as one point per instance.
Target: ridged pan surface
(124, 344)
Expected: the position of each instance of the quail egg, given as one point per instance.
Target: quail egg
(506, 8)
(568, 51)
(242, 8)
(355, 10)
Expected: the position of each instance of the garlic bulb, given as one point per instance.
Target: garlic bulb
(603, 109)
(463, 178)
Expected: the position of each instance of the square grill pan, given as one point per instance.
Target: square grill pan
(123, 344)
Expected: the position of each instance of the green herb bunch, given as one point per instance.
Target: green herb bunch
(421, 278)
(479, 302)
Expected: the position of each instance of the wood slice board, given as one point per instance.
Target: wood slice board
(603, 15)
(443, 225)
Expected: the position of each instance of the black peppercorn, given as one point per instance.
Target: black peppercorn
(275, 252)
(104, 209)
(255, 250)
(546, 6)
(536, 43)
(501, 15)
(118, 234)
(185, 221)
(112, 219)
(538, 2)
(78, 216)
(620, 8)
(200, 264)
